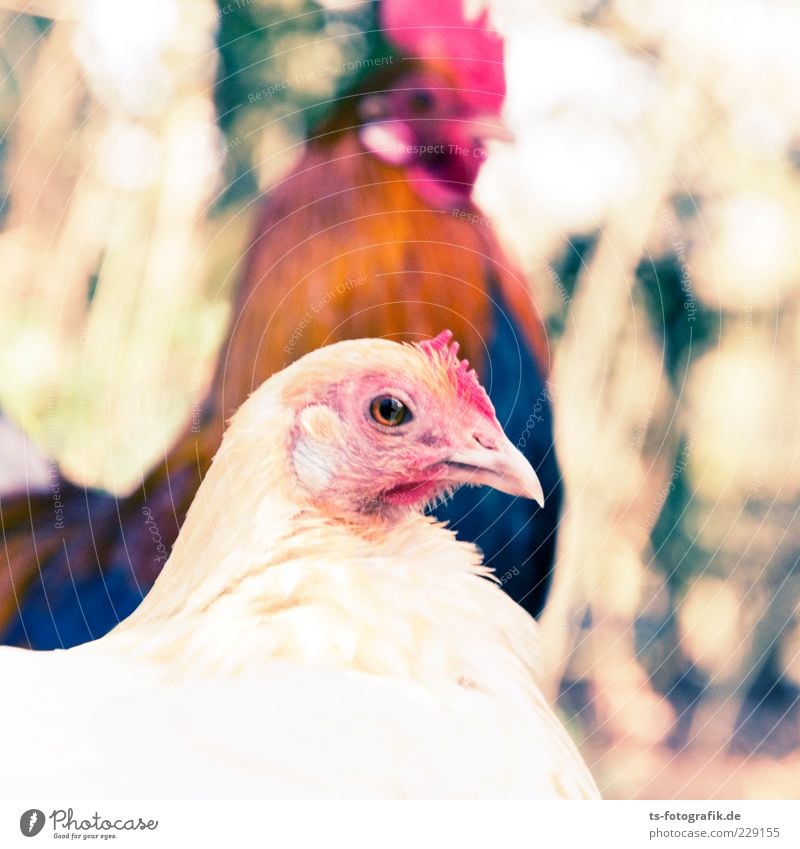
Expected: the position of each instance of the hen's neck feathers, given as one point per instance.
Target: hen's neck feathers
(258, 574)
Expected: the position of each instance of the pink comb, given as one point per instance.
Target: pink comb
(439, 30)
(469, 388)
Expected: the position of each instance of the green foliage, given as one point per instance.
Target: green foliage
(281, 68)
(686, 327)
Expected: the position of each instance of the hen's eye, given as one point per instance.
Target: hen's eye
(389, 411)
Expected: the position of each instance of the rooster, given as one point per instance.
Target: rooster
(313, 634)
(373, 234)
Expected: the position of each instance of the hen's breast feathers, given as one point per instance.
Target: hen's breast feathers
(282, 731)
(400, 674)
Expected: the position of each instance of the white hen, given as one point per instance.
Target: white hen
(313, 633)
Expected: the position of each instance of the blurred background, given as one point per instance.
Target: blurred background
(651, 195)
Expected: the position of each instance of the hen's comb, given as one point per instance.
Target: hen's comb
(469, 388)
(440, 30)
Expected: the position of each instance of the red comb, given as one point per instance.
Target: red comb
(438, 29)
(468, 386)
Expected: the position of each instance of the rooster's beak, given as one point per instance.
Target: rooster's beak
(492, 127)
(493, 461)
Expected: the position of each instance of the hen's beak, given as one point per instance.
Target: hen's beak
(493, 461)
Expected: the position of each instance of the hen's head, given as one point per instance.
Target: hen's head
(377, 429)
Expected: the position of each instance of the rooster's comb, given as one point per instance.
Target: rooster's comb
(469, 45)
(444, 351)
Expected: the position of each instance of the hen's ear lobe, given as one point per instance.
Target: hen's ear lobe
(320, 422)
(318, 441)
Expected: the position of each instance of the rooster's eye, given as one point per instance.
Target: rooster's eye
(389, 411)
(421, 101)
